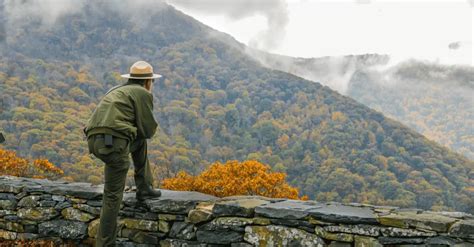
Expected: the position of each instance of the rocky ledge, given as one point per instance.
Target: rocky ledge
(33, 209)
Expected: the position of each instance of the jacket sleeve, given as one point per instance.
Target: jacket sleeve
(146, 123)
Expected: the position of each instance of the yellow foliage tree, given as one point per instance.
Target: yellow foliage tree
(10, 164)
(235, 178)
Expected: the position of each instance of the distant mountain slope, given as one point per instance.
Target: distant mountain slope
(435, 100)
(214, 103)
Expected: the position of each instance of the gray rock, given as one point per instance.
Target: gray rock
(30, 228)
(366, 230)
(46, 197)
(272, 235)
(463, 229)
(288, 209)
(442, 240)
(362, 241)
(147, 216)
(37, 214)
(171, 217)
(8, 204)
(78, 190)
(7, 196)
(238, 206)
(199, 215)
(181, 243)
(341, 237)
(214, 227)
(398, 241)
(421, 221)
(87, 208)
(7, 235)
(465, 244)
(457, 215)
(63, 205)
(64, 229)
(233, 223)
(400, 232)
(219, 236)
(29, 201)
(243, 244)
(21, 195)
(338, 213)
(339, 244)
(174, 202)
(94, 203)
(48, 203)
(182, 230)
(27, 236)
(76, 214)
(10, 184)
(58, 198)
(11, 226)
(34, 189)
(301, 224)
(12, 218)
(141, 237)
(6, 212)
(145, 225)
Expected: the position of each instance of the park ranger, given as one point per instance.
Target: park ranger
(118, 127)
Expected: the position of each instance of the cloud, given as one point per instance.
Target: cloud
(3, 20)
(275, 12)
(44, 14)
(46, 11)
(454, 45)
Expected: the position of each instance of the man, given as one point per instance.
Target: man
(119, 126)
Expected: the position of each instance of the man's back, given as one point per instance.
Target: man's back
(126, 112)
(118, 129)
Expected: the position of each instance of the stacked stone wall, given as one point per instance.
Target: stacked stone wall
(67, 213)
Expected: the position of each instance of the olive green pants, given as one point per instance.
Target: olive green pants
(117, 162)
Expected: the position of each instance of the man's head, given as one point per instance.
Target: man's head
(146, 83)
(141, 73)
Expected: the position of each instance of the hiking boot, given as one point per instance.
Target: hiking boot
(147, 193)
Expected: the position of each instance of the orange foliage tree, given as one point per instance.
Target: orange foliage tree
(10, 164)
(235, 178)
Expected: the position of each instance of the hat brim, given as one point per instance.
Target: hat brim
(128, 76)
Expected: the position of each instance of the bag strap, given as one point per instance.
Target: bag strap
(116, 87)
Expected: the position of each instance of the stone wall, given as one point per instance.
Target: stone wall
(68, 213)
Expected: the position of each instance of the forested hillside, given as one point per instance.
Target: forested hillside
(214, 103)
(435, 100)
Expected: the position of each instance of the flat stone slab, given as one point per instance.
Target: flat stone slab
(289, 209)
(239, 205)
(421, 221)
(30, 185)
(338, 213)
(178, 202)
(464, 229)
(79, 190)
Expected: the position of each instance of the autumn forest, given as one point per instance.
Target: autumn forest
(214, 105)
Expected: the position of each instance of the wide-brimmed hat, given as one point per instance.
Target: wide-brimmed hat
(141, 70)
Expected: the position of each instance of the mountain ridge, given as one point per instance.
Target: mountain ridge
(431, 98)
(216, 103)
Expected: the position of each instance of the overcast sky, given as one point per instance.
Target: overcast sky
(430, 30)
